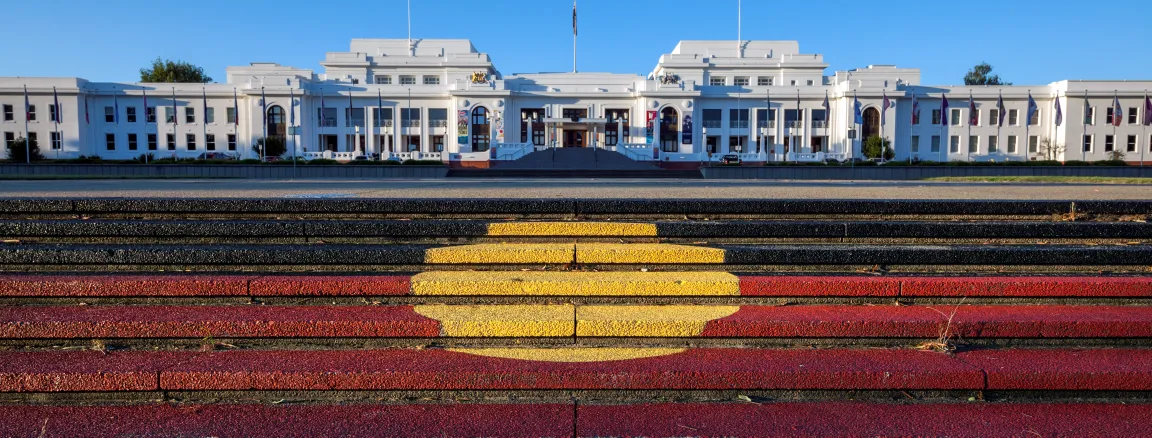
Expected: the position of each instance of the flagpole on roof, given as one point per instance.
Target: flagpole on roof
(739, 29)
(411, 50)
(1084, 127)
(1144, 130)
(575, 33)
(27, 135)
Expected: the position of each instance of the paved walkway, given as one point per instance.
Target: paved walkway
(567, 188)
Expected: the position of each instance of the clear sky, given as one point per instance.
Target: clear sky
(1028, 41)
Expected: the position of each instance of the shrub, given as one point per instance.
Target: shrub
(423, 163)
(249, 161)
(19, 153)
(321, 162)
(875, 144)
(276, 147)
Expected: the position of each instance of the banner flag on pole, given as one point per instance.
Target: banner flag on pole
(1002, 112)
(1117, 111)
(574, 32)
(944, 110)
(1147, 110)
(1059, 113)
(145, 106)
(204, 102)
(857, 112)
(175, 119)
(27, 106)
(1032, 108)
(884, 111)
(116, 108)
(87, 120)
(56, 103)
(973, 115)
(915, 109)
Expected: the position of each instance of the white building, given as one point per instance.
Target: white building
(444, 100)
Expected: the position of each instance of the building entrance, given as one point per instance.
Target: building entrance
(575, 138)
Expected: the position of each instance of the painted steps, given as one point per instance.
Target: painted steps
(591, 317)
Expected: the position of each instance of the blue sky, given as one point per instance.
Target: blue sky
(1028, 41)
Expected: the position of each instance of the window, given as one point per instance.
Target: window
(32, 136)
(327, 117)
(1110, 115)
(737, 143)
(57, 141)
(766, 118)
(355, 82)
(171, 142)
(209, 115)
(993, 117)
(210, 142)
(717, 81)
(109, 114)
(1087, 143)
(52, 117)
(190, 141)
(352, 117)
(954, 144)
(1090, 116)
(410, 117)
(412, 143)
(915, 144)
(382, 116)
(132, 142)
(437, 143)
(9, 139)
(973, 144)
(954, 118)
(31, 113)
(407, 80)
(481, 131)
(438, 117)
(1131, 143)
(151, 142)
(384, 80)
(935, 117)
(742, 81)
(1013, 117)
(1035, 120)
(1132, 116)
(231, 142)
(110, 141)
(935, 143)
(738, 119)
(169, 114)
(764, 81)
(131, 114)
(230, 113)
(811, 82)
(1109, 143)
(1011, 144)
(974, 118)
(793, 82)
(8, 113)
(712, 143)
(1033, 144)
(189, 115)
(150, 114)
(712, 118)
(993, 144)
(431, 80)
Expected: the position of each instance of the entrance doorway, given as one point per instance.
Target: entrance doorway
(575, 138)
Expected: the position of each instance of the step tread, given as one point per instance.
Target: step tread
(670, 369)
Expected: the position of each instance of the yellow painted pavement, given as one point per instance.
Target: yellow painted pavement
(572, 229)
(644, 253)
(501, 253)
(570, 354)
(647, 321)
(508, 321)
(621, 284)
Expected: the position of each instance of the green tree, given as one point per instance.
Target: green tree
(1050, 150)
(276, 147)
(1116, 156)
(875, 144)
(18, 153)
(979, 75)
(168, 71)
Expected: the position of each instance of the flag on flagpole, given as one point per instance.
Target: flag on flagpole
(1087, 109)
(204, 102)
(915, 109)
(944, 109)
(1147, 110)
(884, 111)
(175, 120)
(115, 108)
(1032, 108)
(1059, 112)
(27, 106)
(264, 109)
(236, 107)
(87, 121)
(973, 115)
(291, 105)
(857, 112)
(827, 105)
(145, 106)
(1117, 111)
(574, 32)
(1002, 112)
(56, 103)
(350, 108)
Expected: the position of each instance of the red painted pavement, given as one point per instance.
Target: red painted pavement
(313, 285)
(1032, 287)
(245, 321)
(288, 421)
(1060, 369)
(828, 286)
(84, 370)
(890, 321)
(123, 285)
(865, 419)
(693, 369)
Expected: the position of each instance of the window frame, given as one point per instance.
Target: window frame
(1013, 144)
(407, 80)
(56, 140)
(430, 80)
(153, 142)
(718, 81)
(973, 144)
(383, 79)
(914, 145)
(1013, 117)
(764, 81)
(209, 142)
(190, 114)
(231, 142)
(130, 114)
(133, 141)
(109, 141)
(189, 142)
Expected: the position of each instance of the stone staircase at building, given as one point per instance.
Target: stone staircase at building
(575, 163)
(515, 317)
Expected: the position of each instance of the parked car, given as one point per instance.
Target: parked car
(730, 159)
(272, 159)
(360, 158)
(217, 156)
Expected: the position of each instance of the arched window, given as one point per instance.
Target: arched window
(871, 123)
(481, 130)
(669, 130)
(277, 125)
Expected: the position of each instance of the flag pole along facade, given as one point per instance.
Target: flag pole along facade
(445, 100)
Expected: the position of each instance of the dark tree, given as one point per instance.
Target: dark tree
(875, 144)
(982, 75)
(276, 147)
(169, 71)
(20, 154)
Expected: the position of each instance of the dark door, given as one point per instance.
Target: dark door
(575, 138)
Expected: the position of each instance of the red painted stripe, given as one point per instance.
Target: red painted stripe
(288, 421)
(972, 322)
(1087, 287)
(1060, 369)
(313, 285)
(244, 321)
(693, 369)
(808, 419)
(827, 286)
(84, 370)
(123, 285)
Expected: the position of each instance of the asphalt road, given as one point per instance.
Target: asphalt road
(565, 188)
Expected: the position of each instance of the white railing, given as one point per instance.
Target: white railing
(814, 157)
(329, 155)
(512, 151)
(838, 157)
(738, 124)
(820, 124)
(766, 124)
(796, 124)
(637, 151)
